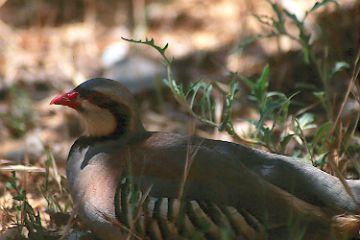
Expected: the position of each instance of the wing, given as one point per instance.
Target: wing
(231, 169)
(171, 166)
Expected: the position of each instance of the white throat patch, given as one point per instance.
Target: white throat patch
(98, 121)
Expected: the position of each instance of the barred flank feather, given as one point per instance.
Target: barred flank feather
(168, 218)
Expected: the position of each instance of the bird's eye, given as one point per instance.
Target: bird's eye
(96, 99)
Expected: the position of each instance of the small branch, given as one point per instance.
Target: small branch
(151, 43)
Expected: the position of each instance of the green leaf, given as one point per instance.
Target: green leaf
(229, 99)
(276, 94)
(320, 94)
(322, 132)
(319, 4)
(249, 83)
(284, 141)
(320, 162)
(269, 108)
(150, 42)
(304, 37)
(251, 39)
(19, 197)
(264, 76)
(306, 51)
(10, 185)
(251, 121)
(261, 85)
(194, 88)
(206, 102)
(339, 66)
(306, 121)
(269, 138)
(279, 25)
(293, 17)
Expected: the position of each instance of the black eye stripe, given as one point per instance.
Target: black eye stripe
(93, 97)
(97, 98)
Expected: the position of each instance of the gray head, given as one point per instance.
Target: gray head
(105, 106)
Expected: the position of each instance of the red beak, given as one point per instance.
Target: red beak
(67, 99)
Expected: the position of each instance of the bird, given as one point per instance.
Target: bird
(127, 181)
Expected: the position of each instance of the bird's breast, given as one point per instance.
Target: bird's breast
(92, 186)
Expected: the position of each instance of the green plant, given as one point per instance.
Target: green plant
(327, 146)
(272, 106)
(26, 215)
(277, 27)
(19, 117)
(277, 126)
(52, 186)
(197, 98)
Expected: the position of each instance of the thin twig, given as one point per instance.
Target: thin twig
(333, 165)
